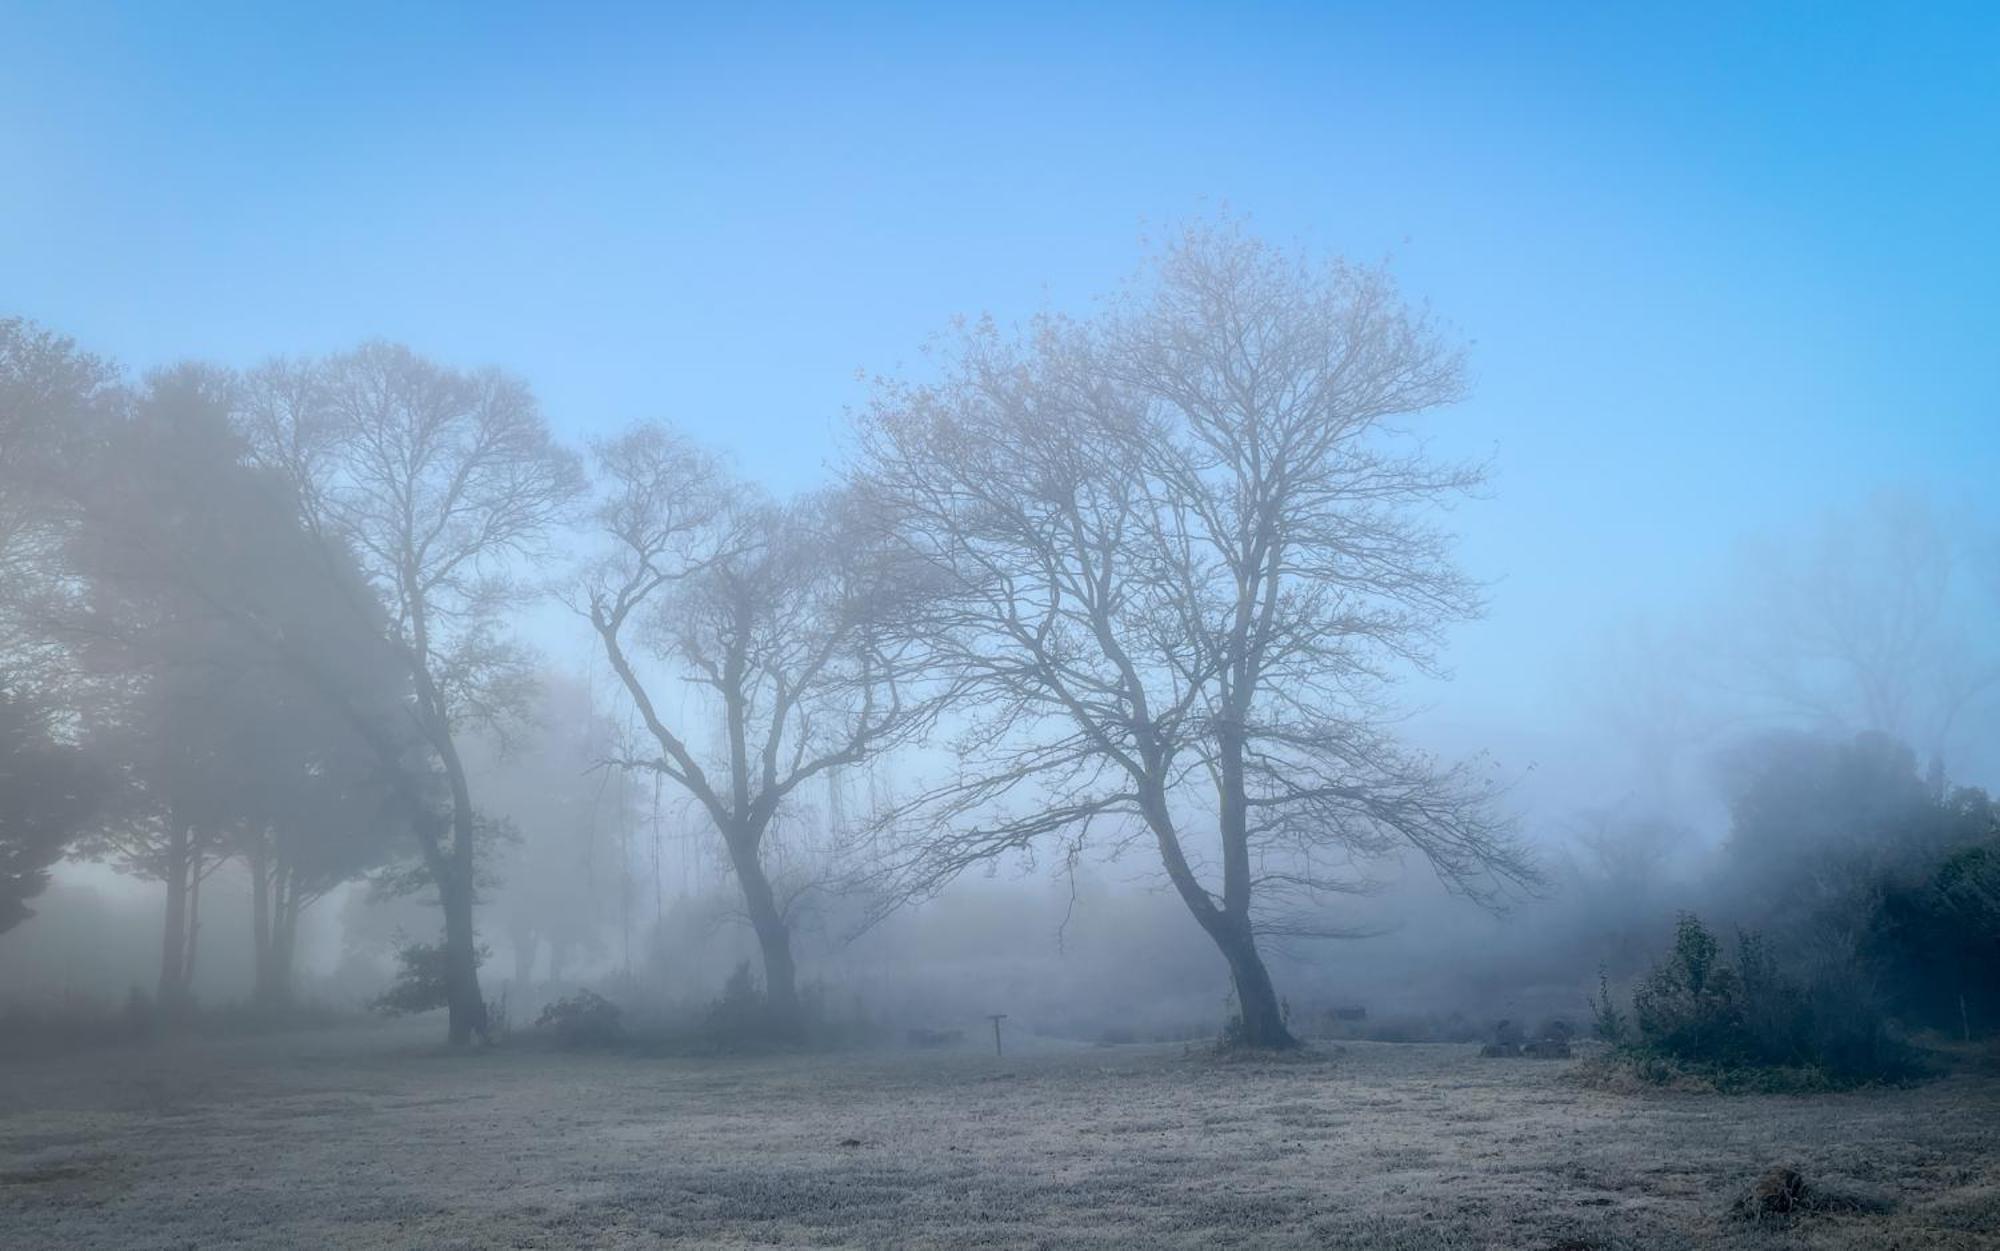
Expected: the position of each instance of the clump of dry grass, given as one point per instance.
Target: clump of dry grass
(1778, 1191)
(1782, 1194)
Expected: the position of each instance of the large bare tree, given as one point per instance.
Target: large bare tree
(1176, 554)
(438, 483)
(775, 612)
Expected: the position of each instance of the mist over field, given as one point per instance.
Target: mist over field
(866, 626)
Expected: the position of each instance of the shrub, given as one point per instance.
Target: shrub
(499, 1018)
(1777, 1018)
(1698, 1014)
(1605, 1018)
(584, 1019)
(1691, 1004)
(420, 984)
(1935, 938)
(1847, 1035)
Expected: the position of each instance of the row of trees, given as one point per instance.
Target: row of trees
(1145, 577)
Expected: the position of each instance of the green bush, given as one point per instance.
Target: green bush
(1935, 938)
(421, 984)
(1698, 1013)
(1606, 1021)
(1690, 1005)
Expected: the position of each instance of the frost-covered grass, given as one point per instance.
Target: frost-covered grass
(374, 1137)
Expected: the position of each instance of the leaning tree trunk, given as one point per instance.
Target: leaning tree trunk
(1262, 1013)
(1227, 924)
(774, 937)
(1256, 997)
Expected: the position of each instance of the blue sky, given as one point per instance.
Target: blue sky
(1722, 268)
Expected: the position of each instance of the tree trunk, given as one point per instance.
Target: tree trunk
(774, 937)
(1263, 1015)
(453, 869)
(173, 941)
(260, 923)
(277, 899)
(781, 988)
(284, 940)
(451, 872)
(1228, 926)
(466, 1005)
(193, 944)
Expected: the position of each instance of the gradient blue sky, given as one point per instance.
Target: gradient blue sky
(1723, 268)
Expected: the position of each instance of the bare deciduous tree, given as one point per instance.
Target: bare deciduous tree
(437, 481)
(775, 612)
(1176, 555)
(1867, 624)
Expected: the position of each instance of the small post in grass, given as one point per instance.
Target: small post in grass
(996, 1018)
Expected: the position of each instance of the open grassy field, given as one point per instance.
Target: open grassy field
(375, 1137)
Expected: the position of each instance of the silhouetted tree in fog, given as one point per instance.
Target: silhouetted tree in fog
(556, 879)
(55, 402)
(1178, 552)
(167, 534)
(1817, 825)
(437, 483)
(192, 593)
(775, 611)
(53, 398)
(49, 789)
(1869, 622)
(318, 812)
